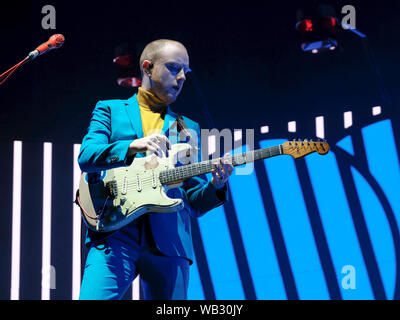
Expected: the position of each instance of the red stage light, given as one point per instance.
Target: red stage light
(124, 61)
(129, 82)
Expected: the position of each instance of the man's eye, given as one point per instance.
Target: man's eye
(174, 68)
(177, 68)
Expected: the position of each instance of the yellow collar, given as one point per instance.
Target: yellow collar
(148, 101)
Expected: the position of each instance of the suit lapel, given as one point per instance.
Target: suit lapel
(133, 112)
(170, 126)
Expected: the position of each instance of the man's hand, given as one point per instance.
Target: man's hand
(156, 143)
(221, 173)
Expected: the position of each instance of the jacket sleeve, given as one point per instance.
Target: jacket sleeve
(97, 153)
(201, 193)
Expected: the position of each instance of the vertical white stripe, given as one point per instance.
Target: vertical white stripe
(320, 127)
(16, 221)
(46, 227)
(76, 230)
(212, 144)
(292, 126)
(136, 289)
(348, 119)
(238, 135)
(376, 110)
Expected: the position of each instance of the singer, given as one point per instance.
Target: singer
(158, 247)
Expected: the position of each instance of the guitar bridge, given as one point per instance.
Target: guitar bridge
(154, 181)
(139, 183)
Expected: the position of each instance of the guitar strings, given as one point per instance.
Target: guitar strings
(195, 170)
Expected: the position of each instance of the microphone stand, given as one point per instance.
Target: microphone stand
(9, 72)
(31, 56)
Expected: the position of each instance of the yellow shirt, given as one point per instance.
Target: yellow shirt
(152, 111)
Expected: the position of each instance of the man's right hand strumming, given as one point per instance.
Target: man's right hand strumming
(156, 143)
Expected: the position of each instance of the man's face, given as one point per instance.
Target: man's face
(168, 73)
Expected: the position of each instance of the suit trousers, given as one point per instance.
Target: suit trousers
(114, 262)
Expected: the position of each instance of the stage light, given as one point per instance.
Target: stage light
(320, 127)
(212, 145)
(292, 126)
(46, 221)
(348, 119)
(318, 29)
(376, 110)
(238, 135)
(16, 221)
(127, 66)
(264, 129)
(130, 82)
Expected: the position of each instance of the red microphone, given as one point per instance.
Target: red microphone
(55, 42)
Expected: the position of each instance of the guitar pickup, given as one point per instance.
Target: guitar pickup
(112, 188)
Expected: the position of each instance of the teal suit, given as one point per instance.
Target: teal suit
(114, 125)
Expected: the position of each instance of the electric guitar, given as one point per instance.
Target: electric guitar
(112, 199)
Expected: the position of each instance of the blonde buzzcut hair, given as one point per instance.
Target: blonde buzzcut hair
(152, 51)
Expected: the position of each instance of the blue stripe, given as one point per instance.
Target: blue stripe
(295, 225)
(379, 232)
(338, 224)
(256, 235)
(383, 164)
(383, 161)
(195, 289)
(220, 255)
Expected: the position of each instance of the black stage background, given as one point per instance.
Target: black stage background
(248, 72)
(248, 68)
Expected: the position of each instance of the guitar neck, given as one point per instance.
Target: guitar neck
(196, 169)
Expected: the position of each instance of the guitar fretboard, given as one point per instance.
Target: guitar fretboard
(196, 169)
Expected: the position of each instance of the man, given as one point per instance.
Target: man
(156, 246)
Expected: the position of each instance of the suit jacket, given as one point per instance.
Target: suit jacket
(113, 126)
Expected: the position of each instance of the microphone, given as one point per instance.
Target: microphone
(55, 42)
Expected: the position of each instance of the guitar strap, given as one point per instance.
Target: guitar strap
(183, 127)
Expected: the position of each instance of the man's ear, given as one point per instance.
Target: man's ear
(147, 66)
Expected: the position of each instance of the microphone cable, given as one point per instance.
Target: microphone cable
(9, 72)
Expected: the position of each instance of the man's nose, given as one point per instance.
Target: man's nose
(181, 76)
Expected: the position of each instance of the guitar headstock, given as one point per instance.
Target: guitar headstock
(301, 148)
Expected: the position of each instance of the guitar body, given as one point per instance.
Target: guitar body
(112, 199)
